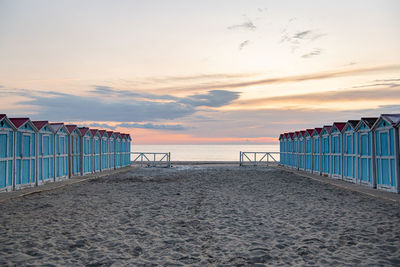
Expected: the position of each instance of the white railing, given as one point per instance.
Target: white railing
(257, 158)
(149, 159)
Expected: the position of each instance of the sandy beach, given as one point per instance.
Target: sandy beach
(200, 216)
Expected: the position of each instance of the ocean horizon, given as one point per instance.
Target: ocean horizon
(206, 152)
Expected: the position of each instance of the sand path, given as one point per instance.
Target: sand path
(201, 216)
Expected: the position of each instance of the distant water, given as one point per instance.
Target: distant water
(205, 152)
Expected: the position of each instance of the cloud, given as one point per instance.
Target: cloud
(302, 35)
(243, 44)
(128, 106)
(174, 127)
(100, 126)
(247, 25)
(214, 98)
(276, 80)
(315, 52)
(300, 38)
(384, 93)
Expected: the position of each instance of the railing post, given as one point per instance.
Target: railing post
(240, 158)
(169, 159)
(141, 160)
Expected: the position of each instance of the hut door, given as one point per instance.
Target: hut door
(348, 160)
(74, 154)
(26, 153)
(325, 159)
(364, 158)
(3, 160)
(384, 159)
(45, 160)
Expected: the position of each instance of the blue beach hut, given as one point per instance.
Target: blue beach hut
(61, 150)
(326, 151)
(128, 149)
(45, 152)
(25, 153)
(117, 149)
(387, 152)
(86, 150)
(124, 150)
(364, 166)
(308, 150)
(96, 153)
(337, 149)
(296, 150)
(74, 150)
(317, 150)
(290, 151)
(7, 129)
(282, 152)
(302, 143)
(111, 149)
(104, 150)
(349, 151)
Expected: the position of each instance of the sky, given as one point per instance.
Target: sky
(199, 72)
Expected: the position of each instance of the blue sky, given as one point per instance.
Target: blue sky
(199, 71)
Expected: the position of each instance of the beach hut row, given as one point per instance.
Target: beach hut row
(364, 151)
(36, 152)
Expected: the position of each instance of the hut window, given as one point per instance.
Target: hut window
(2, 124)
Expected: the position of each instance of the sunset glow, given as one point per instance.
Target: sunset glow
(199, 72)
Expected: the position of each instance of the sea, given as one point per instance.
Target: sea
(205, 152)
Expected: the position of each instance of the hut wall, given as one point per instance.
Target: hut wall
(61, 154)
(87, 154)
(25, 156)
(45, 155)
(308, 152)
(111, 152)
(118, 152)
(128, 151)
(282, 151)
(74, 153)
(364, 155)
(326, 153)
(387, 156)
(96, 153)
(290, 152)
(301, 152)
(336, 153)
(295, 152)
(316, 148)
(104, 153)
(6, 154)
(349, 154)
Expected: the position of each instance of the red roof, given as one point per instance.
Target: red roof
(280, 136)
(291, 134)
(2, 116)
(110, 133)
(128, 136)
(102, 132)
(83, 130)
(94, 131)
(18, 122)
(319, 130)
(40, 124)
(71, 127)
(302, 133)
(339, 125)
(310, 131)
(117, 134)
